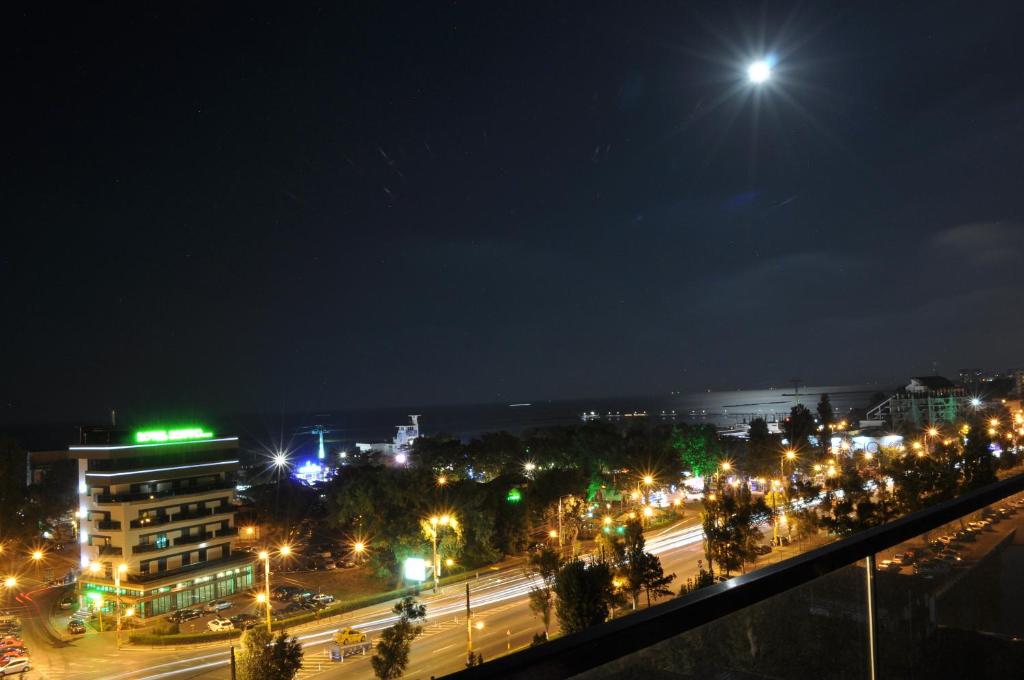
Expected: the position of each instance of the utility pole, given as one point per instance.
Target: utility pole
(233, 662)
(559, 525)
(469, 629)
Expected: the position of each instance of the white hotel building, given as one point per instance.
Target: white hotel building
(157, 516)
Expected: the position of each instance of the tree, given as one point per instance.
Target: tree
(392, 655)
(263, 657)
(585, 594)
(826, 417)
(654, 579)
(544, 563)
(697, 447)
(799, 425)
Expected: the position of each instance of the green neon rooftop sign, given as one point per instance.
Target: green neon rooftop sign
(179, 435)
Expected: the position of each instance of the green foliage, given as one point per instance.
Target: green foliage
(730, 531)
(545, 564)
(799, 426)
(697, 447)
(391, 657)
(585, 595)
(263, 657)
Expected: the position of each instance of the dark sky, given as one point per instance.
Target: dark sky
(341, 206)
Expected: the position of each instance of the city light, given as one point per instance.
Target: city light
(553, 534)
(415, 569)
(648, 480)
(442, 480)
(759, 71)
(359, 547)
(10, 582)
(177, 435)
(280, 460)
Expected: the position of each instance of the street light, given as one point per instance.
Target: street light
(759, 71)
(284, 551)
(442, 480)
(122, 569)
(434, 526)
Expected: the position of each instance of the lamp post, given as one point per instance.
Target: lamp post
(436, 523)
(37, 558)
(122, 569)
(284, 551)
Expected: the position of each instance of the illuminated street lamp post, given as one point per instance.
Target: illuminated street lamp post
(436, 523)
(284, 551)
(37, 558)
(122, 569)
(280, 461)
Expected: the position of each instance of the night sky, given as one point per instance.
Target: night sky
(472, 202)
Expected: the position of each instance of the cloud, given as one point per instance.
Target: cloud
(982, 243)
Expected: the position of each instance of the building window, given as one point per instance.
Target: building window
(161, 541)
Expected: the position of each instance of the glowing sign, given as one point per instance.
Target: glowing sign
(415, 569)
(514, 495)
(180, 435)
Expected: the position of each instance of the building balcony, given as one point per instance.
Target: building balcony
(230, 531)
(108, 525)
(110, 551)
(890, 601)
(132, 497)
(148, 548)
(194, 514)
(195, 538)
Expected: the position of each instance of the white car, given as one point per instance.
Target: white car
(16, 665)
(218, 624)
(216, 606)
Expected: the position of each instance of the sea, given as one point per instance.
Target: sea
(344, 427)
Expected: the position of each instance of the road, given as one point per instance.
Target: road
(498, 600)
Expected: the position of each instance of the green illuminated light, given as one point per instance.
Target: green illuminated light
(514, 495)
(178, 435)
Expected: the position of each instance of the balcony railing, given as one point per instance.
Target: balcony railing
(830, 612)
(148, 548)
(153, 495)
(193, 514)
(108, 525)
(110, 551)
(230, 531)
(154, 521)
(195, 538)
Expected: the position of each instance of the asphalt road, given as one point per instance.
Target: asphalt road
(498, 600)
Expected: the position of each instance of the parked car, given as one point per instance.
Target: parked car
(301, 595)
(904, 558)
(292, 608)
(324, 551)
(345, 563)
(183, 615)
(216, 606)
(888, 565)
(220, 624)
(244, 621)
(324, 598)
(15, 666)
(284, 593)
(76, 627)
(67, 602)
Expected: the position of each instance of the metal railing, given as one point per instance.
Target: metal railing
(573, 654)
(129, 497)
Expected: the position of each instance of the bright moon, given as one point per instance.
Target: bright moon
(759, 71)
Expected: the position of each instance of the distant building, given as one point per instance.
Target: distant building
(157, 513)
(926, 400)
(970, 376)
(401, 446)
